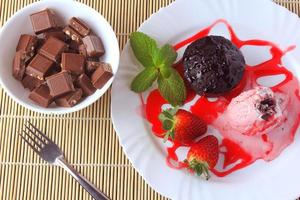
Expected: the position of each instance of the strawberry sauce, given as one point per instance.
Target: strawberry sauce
(235, 156)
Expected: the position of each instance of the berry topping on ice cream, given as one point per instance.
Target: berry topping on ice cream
(255, 111)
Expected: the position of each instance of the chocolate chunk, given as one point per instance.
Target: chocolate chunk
(59, 34)
(43, 21)
(102, 74)
(93, 45)
(267, 108)
(85, 84)
(27, 43)
(79, 26)
(29, 82)
(19, 67)
(41, 96)
(82, 50)
(40, 43)
(60, 84)
(73, 62)
(73, 47)
(72, 34)
(39, 67)
(91, 66)
(53, 48)
(70, 99)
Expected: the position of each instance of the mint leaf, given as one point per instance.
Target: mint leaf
(144, 80)
(168, 55)
(144, 48)
(165, 71)
(172, 88)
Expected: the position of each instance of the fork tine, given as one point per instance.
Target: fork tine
(27, 141)
(40, 132)
(33, 140)
(35, 134)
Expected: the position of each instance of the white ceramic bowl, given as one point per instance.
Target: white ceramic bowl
(20, 23)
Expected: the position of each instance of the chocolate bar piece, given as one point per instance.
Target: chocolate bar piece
(73, 47)
(39, 67)
(53, 48)
(60, 84)
(82, 50)
(43, 21)
(58, 33)
(79, 26)
(27, 43)
(41, 96)
(70, 99)
(19, 67)
(93, 45)
(85, 84)
(91, 66)
(72, 34)
(73, 62)
(102, 74)
(29, 82)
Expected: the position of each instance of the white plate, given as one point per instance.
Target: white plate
(259, 19)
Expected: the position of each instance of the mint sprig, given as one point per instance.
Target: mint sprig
(158, 66)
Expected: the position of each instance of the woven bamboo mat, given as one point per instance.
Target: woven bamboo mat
(87, 137)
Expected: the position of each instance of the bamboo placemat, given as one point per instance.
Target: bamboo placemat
(87, 137)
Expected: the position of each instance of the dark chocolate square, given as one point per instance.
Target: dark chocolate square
(30, 82)
(85, 84)
(41, 96)
(79, 26)
(60, 84)
(91, 66)
(27, 43)
(72, 34)
(73, 62)
(53, 48)
(19, 67)
(70, 99)
(43, 21)
(57, 33)
(93, 45)
(39, 67)
(101, 75)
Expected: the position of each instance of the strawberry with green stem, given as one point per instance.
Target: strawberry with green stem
(182, 126)
(203, 156)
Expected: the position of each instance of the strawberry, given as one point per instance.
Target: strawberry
(203, 156)
(182, 126)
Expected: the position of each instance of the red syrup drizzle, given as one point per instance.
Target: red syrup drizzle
(210, 110)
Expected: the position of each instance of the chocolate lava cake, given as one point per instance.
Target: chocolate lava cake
(213, 65)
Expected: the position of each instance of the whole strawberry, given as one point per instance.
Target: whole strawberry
(182, 126)
(203, 156)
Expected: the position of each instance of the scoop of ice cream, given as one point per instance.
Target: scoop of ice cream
(256, 111)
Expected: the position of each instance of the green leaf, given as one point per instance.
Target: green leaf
(144, 48)
(172, 88)
(144, 80)
(165, 71)
(168, 55)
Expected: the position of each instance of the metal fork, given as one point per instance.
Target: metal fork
(51, 153)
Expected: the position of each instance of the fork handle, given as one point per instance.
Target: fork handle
(88, 186)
